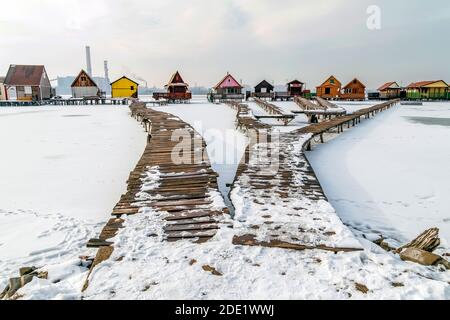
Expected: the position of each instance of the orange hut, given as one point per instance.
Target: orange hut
(330, 89)
(354, 90)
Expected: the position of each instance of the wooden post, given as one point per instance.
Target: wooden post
(308, 147)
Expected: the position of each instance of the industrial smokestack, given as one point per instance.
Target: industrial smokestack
(88, 61)
(105, 64)
(107, 82)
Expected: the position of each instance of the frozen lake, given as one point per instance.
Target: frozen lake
(62, 171)
(390, 174)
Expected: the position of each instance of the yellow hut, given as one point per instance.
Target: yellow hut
(124, 88)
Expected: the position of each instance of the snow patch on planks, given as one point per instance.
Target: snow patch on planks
(187, 193)
(278, 199)
(285, 206)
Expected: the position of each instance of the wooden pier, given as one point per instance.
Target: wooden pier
(245, 120)
(67, 102)
(325, 103)
(305, 104)
(274, 112)
(315, 112)
(182, 190)
(293, 180)
(339, 123)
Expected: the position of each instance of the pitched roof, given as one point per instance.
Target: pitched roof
(231, 83)
(80, 74)
(176, 80)
(323, 83)
(264, 84)
(351, 82)
(295, 81)
(422, 83)
(388, 85)
(124, 77)
(24, 75)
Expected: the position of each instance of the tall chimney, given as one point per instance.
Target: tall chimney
(105, 64)
(107, 82)
(88, 61)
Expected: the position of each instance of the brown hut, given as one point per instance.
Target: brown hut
(354, 90)
(330, 89)
(27, 83)
(84, 87)
(177, 90)
(390, 90)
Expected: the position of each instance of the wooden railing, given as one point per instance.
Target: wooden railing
(172, 95)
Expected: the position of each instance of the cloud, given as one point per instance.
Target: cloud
(204, 39)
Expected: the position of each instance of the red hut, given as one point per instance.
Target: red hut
(295, 88)
(177, 90)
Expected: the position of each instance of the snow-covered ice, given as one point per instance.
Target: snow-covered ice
(62, 170)
(143, 267)
(389, 175)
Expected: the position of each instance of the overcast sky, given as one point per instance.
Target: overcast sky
(252, 39)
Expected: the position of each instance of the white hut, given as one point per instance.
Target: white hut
(84, 87)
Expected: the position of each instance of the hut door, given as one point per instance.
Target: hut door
(11, 93)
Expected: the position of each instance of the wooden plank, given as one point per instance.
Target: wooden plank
(189, 227)
(250, 240)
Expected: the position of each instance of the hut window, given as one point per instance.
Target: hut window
(131, 87)
(83, 78)
(332, 81)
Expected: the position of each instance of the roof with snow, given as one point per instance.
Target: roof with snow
(176, 80)
(24, 75)
(389, 85)
(228, 82)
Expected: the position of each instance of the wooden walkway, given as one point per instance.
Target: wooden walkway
(306, 104)
(245, 120)
(291, 189)
(274, 112)
(338, 123)
(183, 190)
(159, 183)
(325, 103)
